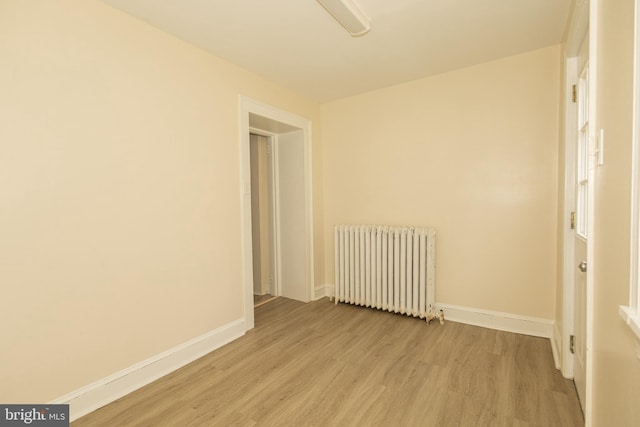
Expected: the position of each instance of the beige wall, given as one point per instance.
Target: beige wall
(616, 379)
(472, 152)
(119, 193)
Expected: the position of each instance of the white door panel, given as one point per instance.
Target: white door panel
(580, 320)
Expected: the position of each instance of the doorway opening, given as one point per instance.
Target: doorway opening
(284, 265)
(263, 229)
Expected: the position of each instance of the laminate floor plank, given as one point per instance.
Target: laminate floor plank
(321, 364)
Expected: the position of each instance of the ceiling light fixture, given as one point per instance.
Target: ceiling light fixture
(348, 15)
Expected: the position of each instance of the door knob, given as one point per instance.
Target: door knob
(583, 266)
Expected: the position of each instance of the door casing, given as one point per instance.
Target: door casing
(256, 116)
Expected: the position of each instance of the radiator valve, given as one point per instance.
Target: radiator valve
(432, 313)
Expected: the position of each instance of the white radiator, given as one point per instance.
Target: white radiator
(388, 268)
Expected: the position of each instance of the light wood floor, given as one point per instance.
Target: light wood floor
(259, 300)
(319, 364)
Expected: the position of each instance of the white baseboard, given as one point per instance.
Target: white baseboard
(497, 320)
(107, 390)
(556, 345)
(323, 291)
(490, 319)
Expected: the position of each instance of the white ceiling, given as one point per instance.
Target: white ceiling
(297, 44)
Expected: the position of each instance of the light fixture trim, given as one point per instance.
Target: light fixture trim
(347, 13)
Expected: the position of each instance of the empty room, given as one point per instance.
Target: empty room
(320, 212)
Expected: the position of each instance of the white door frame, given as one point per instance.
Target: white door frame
(272, 118)
(583, 24)
(570, 140)
(593, 131)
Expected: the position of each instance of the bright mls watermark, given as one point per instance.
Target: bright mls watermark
(34, 415)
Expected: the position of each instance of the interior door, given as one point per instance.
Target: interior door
(582, 217)
(580, 320)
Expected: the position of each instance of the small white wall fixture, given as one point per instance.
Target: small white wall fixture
(256, 115)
